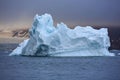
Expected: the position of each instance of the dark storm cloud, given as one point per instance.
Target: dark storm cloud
(96, 12)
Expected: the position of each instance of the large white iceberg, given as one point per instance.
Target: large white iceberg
(48, 40)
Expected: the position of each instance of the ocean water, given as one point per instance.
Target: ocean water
(57, 68)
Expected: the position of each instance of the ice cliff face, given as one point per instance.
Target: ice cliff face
(47, 40)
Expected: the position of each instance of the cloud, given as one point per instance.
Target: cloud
(89, 12)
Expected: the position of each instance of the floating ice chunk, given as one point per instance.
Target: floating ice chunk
(47, 40)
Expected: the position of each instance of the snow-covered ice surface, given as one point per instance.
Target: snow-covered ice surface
(48, 40)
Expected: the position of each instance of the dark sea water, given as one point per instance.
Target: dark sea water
(57, 68)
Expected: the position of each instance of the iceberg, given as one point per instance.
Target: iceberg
(48, 40)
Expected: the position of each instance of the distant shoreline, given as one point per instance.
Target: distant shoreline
(11, 40)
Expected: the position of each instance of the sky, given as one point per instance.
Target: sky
(20, 13)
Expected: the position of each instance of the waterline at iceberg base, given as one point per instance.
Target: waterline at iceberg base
(48, 40)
